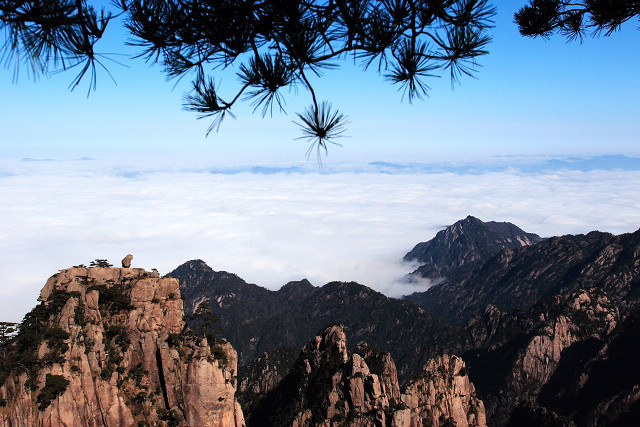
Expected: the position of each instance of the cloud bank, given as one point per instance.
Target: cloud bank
(351, 223)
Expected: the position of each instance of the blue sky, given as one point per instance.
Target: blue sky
(531, 96)
(546, 137)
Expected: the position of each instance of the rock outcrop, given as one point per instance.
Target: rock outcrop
(517, 354)
(108, 346)
(328, 385)
(441, 394)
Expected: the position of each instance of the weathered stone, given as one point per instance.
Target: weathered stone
(126, 261)
(538, 341)
(442, 391)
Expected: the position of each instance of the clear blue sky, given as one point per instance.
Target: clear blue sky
(531, 96)
(150, 192)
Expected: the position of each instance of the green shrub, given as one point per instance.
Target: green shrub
(79, 315)
(107, 371)
(22, 355)
(338, 418)
(57, 339)
(54, 386)
(136, 373)
(119, 336)
(219, 354)
(426, 422)
(99, 262)
(174, 340)
(112, 298)
(140, 397)
(447, 421)
(170, 417)
(58, 298)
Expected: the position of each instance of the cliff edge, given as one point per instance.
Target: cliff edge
(108, 346)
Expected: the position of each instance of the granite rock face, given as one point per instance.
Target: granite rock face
(108, 346)
(441, 394)
(518, 354)
(329, 385)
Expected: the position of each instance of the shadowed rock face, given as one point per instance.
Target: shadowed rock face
(329, 385)
(108, 346)
(518, 354)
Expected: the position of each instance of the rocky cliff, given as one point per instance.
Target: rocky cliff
(518, 354)
(329, 385)
(264, 374)
(108, 346)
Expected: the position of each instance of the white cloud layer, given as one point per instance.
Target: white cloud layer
(272, 228)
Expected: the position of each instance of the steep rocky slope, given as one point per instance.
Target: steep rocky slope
(441, 394)
(517, 355)
(257, 320)
(328, 385)
(516, 278)
(108, 346)
(598, 381)
(568, 360)
(264, 374)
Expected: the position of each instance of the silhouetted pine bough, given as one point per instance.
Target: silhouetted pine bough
(268, 46)
(574, 20)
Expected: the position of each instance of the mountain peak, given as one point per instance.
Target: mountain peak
(297, 284)
(466, 241)
(296, 288)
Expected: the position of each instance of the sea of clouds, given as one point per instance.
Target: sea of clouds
(271, 225)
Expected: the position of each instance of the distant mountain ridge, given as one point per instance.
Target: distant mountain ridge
(255, 319)
(519, 277)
